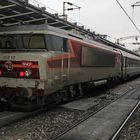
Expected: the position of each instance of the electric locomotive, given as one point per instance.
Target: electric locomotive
(40, 63)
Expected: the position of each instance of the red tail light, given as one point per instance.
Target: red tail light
(0, 72)
(21, 73)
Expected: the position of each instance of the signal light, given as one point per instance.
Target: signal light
(21, 74)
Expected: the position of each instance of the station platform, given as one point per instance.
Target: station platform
(105, 123)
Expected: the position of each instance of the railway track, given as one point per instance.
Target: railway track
(72, 132)
(46, 124)
(125, 121)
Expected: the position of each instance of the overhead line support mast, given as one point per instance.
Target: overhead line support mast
(68, 9)
(133, 6)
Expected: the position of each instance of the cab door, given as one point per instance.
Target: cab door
(65, 61)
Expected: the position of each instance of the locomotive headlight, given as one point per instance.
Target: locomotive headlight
(28, 73)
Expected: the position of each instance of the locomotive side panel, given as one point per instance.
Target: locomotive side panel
(92, 57)
(92, 63)
(100, 64)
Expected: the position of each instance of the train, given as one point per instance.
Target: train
(40, 63)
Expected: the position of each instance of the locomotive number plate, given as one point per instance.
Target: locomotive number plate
(7, 57)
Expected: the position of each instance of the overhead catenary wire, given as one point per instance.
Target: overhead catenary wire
(136, 3)
(128, 16)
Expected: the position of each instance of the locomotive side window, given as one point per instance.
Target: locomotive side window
(56, 43)
(96, 57)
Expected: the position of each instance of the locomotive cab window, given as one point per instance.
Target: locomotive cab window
(22, 41)
(34, 41)
(10, 42)
(56, 43)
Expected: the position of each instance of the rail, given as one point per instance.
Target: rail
(125, 121)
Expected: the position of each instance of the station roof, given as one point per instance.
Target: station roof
(21, 12)
(16, 12)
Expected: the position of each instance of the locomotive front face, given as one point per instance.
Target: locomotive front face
(27, 59)
(20, 72)
(21, 65)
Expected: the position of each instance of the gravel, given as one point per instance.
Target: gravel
(42, 126)
(53, 122)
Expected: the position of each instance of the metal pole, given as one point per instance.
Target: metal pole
(133, 6)
(68, 9)
(64, 9)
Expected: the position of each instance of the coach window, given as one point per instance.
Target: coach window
(56, 43)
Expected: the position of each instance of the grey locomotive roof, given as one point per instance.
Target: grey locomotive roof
(45, 29)
(24, 28)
